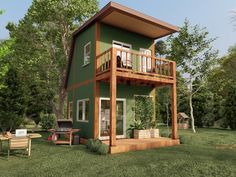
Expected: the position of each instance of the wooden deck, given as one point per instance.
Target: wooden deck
(126, 145)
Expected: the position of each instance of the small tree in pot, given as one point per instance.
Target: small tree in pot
(144, 110)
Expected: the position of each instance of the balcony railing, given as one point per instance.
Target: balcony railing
(133, 62)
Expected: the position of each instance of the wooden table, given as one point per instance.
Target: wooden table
(4, 138)
(56, 134)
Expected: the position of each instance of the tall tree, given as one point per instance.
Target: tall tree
(230, 109)
(12, 101)
(43, 39)
(192, 51)
(160, 48)
(5, 52)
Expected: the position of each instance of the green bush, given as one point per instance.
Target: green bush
(97, 146)
(89, 143)
(103, 149)
(48, 121)
(182, 139)
(165, 134)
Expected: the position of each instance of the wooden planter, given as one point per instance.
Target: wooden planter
(142, 134)
(154, 133)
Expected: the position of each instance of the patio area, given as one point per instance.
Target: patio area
(126, 145)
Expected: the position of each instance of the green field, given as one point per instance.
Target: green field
(198, 157)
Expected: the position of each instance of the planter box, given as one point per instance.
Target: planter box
(154, 133)
(142, 134)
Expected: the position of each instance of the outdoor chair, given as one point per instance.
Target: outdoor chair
(16, 143)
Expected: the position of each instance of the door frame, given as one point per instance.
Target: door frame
(124, 121)
(146, 58)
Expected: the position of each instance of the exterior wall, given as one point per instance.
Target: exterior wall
(78, 94)
(80, 73)
(127, 92)
(109, 33)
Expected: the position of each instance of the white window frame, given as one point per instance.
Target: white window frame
(87, 54)
(147, 61)
(70, 108)
(124, 121)
(83, 110)
(123, 46)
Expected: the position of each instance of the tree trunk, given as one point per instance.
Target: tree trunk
(191, 106)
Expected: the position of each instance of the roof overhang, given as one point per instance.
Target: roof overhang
(125, 18)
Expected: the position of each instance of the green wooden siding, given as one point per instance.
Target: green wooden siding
(109, 33)
(78, 72)
(78, 94)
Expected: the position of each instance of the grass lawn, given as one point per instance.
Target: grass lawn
(198, 157)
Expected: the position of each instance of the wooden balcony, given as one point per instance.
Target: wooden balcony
(135, 67)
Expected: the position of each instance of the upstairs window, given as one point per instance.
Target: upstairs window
(87, 53)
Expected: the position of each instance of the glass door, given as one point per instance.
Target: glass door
(105, 118)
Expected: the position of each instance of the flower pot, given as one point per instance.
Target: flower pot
(154, 133)
(142, 134)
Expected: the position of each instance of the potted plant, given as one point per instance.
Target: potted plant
(139, 130)
(154, 131)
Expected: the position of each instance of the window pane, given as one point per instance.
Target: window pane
(80, 108)
(70, 110)
(86, 110)
(87, 49)
(87, 52)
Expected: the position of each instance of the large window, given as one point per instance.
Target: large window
(87, 52)
(83, 110)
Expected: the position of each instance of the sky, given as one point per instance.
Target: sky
(215, 15)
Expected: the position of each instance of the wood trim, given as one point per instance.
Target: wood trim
(153, 94)
(113, 90)
(174, 105)
(112, 6)
(143, 77)
(96, 83)
(80, 84)
(67, 108)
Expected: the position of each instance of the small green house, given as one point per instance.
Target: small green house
(112, 61)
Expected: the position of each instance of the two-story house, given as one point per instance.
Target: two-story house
(112, 60)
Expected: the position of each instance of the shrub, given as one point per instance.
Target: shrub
(165, 134)
(89, 143)
(95, 144)
(182, 139)
(48, 121)
(103, 149)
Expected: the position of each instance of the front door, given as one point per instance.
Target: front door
(104, 118)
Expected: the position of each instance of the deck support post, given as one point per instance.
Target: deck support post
(96, 82)
(174, 104)
(113, 88)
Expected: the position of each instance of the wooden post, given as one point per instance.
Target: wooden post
(174, 105)
(153, 94)
(96, 83)
(113, 99)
